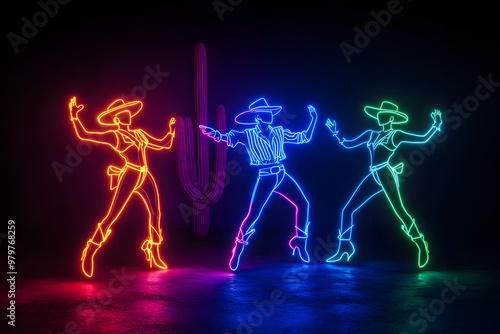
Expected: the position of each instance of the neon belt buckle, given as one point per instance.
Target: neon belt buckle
(275, 169)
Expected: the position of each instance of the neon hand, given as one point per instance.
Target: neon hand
(332, 126)
(171, 124)
(74, 109)
(312, 111)
(436, 117)
(329, 124)
(211, 133)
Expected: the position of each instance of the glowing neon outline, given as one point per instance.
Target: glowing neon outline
(255, 108)
(299, 138)
(390, 134)
(251, 230)
(133, 138)
(294, 248)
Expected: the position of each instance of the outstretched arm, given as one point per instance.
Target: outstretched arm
(105, 137)
(348, 143)
(406, 137)
(162, 143)
(232, 138)
(359, 140)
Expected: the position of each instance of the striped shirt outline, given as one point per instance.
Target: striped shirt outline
(260, 150)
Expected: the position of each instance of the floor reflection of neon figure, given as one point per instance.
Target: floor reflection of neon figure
(383, 177)
(264, 144)
(133, 178)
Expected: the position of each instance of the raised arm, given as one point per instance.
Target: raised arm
(401, 137)
(232, 138)
(104, 137)
(305, 136)
(164, 143)
(312, 124)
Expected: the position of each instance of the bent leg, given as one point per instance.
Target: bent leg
(365, 191)
(123, 192)
(409, 226)
(394, 197)
(126, 185)
(148, 191)
(291, 191)
(261, 193)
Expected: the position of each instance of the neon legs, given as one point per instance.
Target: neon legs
(299, 240)
(366, 189)
(280, 183)
(239, 247)
(152, 243)
(130, 181)
(262, 191)
(126, 184)
(409, 226)
(373, 184)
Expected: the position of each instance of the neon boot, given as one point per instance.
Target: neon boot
(299, 243)
(239, 246)
(346, 247)
(90, 251)
(423, 250)
(419, 241)
(88, 257)
(152, 251)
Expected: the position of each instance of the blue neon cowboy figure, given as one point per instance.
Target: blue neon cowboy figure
(383, 175)
(264, 144)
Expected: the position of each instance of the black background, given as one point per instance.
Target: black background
(429, 56)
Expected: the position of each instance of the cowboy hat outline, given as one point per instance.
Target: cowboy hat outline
(106, 117)
(387, 107)
(258, 106)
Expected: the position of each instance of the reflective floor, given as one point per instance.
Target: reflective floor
(267, 295)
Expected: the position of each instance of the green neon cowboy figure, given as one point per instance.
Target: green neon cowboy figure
(383, 175)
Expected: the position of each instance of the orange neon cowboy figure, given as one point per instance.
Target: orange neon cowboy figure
(132, 178)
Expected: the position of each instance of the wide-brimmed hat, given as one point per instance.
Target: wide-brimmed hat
(256, 107)
(106, 117)
(387, 107)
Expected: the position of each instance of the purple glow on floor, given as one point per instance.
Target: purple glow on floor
(318, 298)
